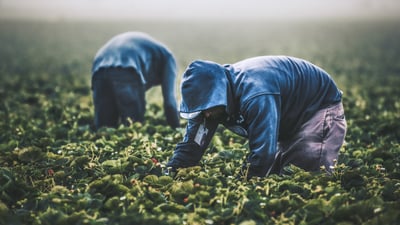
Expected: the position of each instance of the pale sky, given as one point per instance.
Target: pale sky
(197, 9)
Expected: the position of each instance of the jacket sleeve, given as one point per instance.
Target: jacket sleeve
(262, 118)
(199, 133)
(168, 92)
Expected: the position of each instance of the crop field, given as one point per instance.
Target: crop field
(56, 170)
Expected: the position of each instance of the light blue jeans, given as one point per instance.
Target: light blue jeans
(316, 145)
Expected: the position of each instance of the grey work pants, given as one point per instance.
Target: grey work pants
(317, 143)
(118, 94)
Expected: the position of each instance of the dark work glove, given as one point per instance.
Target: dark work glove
(186, 154)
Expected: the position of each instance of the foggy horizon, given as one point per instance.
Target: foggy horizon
(197, 10)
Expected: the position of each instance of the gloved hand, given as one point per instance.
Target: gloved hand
(186, 154)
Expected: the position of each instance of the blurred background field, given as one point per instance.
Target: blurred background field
(63, 51)
(54, 168)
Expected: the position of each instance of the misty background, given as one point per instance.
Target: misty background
(197, 10)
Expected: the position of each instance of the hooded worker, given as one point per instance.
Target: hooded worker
(289, 109)
(124, 68)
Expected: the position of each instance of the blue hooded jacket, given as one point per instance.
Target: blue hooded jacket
(151, 60)
(266, 99)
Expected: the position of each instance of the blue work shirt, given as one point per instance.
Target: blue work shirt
(266, 99)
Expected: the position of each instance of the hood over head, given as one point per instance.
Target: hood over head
(204, 85)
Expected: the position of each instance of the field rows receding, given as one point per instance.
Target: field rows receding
(56, 170)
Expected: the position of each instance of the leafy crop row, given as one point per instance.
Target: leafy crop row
(56, 170)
